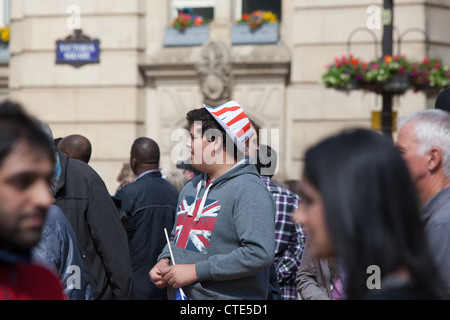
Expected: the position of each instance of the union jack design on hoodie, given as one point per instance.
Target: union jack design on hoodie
(196, 219)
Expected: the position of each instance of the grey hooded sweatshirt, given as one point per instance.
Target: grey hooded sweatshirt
(226, 228)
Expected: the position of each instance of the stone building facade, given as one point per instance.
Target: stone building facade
(143, 88)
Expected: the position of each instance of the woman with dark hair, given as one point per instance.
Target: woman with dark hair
(359, 207)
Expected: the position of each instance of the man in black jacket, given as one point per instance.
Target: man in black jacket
(150, 205)
(82, 196)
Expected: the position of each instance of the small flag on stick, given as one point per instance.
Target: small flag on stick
(180, 293)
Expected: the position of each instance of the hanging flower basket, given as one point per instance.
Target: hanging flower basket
(345, 74)
(430, 76)
(353, 84)
(389, 74)
(395, 74)
(398, 84)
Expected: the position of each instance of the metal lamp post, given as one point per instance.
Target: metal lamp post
(386, 113)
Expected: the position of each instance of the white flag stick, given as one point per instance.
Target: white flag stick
(170, 247)
(171, 255)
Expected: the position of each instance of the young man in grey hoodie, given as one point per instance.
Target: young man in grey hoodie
(223, 239)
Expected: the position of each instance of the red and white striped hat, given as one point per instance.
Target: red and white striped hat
(234, 121)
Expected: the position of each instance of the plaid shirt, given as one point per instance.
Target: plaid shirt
(289, 239)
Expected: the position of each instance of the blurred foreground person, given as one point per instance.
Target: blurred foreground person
(359, 207)
(26, 170)
(424, 142)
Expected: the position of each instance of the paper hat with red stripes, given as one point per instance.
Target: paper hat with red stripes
(234, 121)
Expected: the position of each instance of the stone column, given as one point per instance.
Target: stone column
(223, 19)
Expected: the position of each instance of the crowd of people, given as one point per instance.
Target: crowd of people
(367, 219)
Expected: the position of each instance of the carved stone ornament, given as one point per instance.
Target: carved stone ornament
(215, 73)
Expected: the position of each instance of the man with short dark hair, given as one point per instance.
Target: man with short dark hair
(223, 239)
(149, 204)
(26, 169)
(76, 147)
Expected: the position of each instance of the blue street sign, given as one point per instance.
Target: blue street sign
(77, 52)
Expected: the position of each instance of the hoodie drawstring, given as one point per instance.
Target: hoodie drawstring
(202, 203)
(191, 210)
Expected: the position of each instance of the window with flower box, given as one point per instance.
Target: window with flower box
(257, 22)
(189, 25)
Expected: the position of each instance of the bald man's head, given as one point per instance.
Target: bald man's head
(144, 155)
(76, 147)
